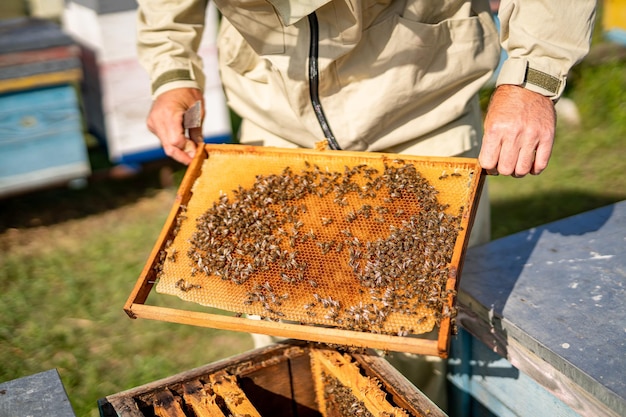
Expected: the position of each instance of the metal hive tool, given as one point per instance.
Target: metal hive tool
(342, 247)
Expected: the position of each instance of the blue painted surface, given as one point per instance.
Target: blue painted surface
(40, 130)
(616, 35)
(484, 384)
(28, 33)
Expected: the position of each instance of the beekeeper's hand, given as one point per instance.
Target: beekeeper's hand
(165, 120)
(519, 132)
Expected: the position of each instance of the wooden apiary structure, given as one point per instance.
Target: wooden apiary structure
(352, 248)
(41, 133)
(283, 380)
(116, 94)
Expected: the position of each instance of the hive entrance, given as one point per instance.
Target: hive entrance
(356, 241)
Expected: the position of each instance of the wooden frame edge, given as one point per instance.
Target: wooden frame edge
(147, 278)
(326, 335)
(445, 327)
(135, 306)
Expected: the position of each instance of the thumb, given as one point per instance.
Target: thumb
(190, 148)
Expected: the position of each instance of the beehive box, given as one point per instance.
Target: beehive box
(287, 379)
(41, 143)
(35, 53)
(116, 90)
(354, 248)
(614, 20)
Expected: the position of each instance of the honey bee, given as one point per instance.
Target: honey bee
(270, 210)
(185, 286)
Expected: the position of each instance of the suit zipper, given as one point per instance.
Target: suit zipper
(314, 83)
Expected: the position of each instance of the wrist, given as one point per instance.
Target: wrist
(519, 72)
(174, 85)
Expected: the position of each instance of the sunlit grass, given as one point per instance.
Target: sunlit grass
(62, 308)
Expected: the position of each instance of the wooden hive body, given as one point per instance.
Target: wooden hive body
(284, 380)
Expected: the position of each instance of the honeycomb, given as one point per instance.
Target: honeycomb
(357, 241)
(342, 390)
(284, 380)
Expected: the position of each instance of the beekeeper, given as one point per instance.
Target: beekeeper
(373, 75)
(398, 76)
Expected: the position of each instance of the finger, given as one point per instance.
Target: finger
(525, 161)
(509, 155)
(489, 154)
(190, 148)
(175, 144)
(183, 155)
(169, 132)
(172, 136)
(542, 157)
(493, 171)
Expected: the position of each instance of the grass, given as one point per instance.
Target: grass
(62, 290)
(69, 258)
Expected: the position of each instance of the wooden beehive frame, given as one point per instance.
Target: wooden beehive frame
(365, 390)
(136, 306)
(280, 379)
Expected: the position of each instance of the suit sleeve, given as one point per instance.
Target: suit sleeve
(168, 37)
(544, 39)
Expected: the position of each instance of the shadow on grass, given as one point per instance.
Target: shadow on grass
(516, 214)
(107, 189)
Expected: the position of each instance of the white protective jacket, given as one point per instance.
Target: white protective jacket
(390, 73)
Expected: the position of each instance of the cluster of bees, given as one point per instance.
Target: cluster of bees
(289, 234)
(340, 400)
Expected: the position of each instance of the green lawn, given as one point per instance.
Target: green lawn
(62, 296)
(69, 258)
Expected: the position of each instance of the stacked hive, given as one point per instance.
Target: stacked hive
(117, 89)
(41, 139)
